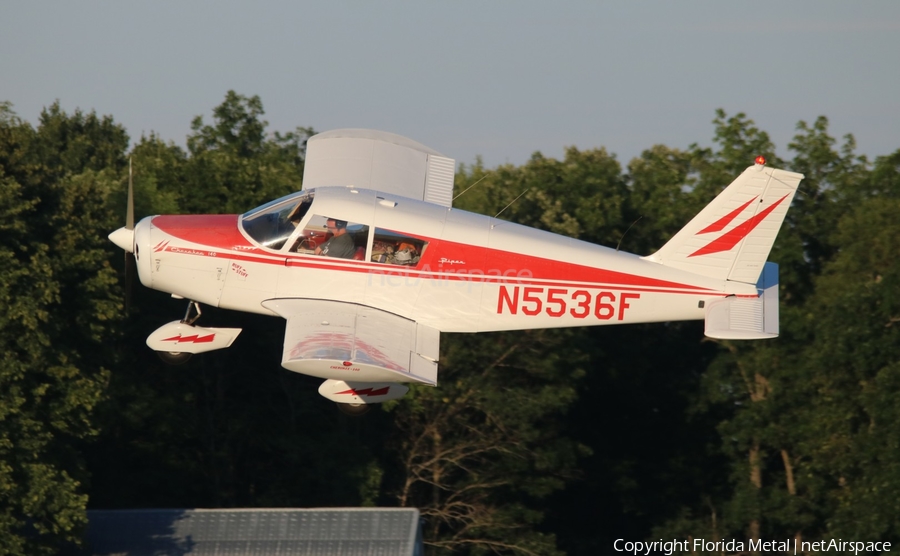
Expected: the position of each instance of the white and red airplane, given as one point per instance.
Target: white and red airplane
(369, 263)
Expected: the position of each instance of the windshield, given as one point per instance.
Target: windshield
(272, 223)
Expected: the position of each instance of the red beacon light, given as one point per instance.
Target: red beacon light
(761, 160)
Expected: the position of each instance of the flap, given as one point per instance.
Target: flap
(347, 341)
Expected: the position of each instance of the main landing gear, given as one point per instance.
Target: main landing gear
(353, 409)
(174, 357)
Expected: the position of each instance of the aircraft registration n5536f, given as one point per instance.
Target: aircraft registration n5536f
(369, 263)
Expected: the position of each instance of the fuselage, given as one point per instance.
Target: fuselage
(469, 272)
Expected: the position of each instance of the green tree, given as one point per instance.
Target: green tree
(57, 290)
(234, 165)
(658, 198)
(581, 196)
(482, 454)
(856, 311)
(833, 181)
(477, 454)
(803, 420)
(159, 175)
(649, 452)
(227, 429)
(738, 383)
(792, 437)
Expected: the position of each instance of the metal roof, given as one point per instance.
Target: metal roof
(255, 532)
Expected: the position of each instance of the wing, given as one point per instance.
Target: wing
(350, 342)
(378, 160)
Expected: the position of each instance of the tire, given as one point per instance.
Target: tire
(174, 357)
(354, 409)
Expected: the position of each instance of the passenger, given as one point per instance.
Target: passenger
(341, 243)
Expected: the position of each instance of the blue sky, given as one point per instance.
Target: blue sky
(499, 79)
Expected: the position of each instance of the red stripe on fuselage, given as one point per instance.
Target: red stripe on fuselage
(218, 231)
(469, 262)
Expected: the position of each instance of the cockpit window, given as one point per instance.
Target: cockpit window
(332, 237)
(395, 248)
(272, 224)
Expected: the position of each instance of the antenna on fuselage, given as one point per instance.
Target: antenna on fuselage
(513, 201)
(626, 231)
(470, 187)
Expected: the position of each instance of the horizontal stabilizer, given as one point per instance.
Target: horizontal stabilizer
(740, 318)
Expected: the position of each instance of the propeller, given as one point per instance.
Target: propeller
(124, 238)
(130, 262)
(129, 215)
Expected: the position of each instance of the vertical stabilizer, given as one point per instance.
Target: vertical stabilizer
(731, 238)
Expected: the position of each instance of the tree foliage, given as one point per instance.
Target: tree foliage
(473, 453)
(803, 420)
(58, 317)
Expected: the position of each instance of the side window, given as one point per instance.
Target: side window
(395, 248)
(332, 237)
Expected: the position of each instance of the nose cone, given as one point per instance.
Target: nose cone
(124, 238)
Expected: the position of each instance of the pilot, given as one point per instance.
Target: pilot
(341, 243)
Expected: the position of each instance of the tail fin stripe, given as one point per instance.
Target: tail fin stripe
(732, 236)
(728, 240)
(720, 224)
